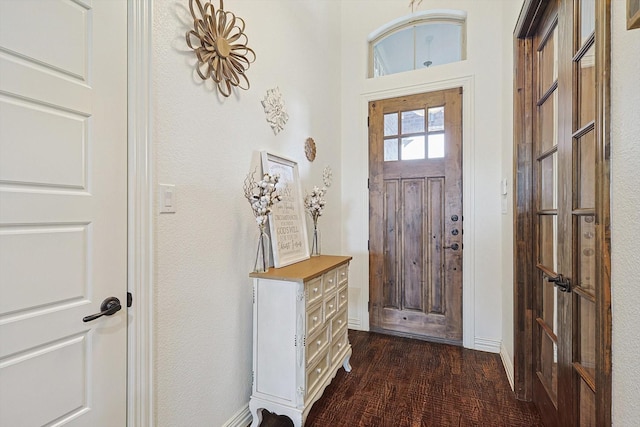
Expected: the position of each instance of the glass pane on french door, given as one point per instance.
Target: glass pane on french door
(546, 294)
(584, 204)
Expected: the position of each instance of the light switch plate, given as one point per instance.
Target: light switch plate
(167, 199)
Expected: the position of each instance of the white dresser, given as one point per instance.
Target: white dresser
(299, 335)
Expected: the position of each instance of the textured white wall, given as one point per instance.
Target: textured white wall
(485, 33)
(625, 211)
(205, 147)
(510, 12)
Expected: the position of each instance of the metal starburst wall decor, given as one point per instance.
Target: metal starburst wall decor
(220, 44)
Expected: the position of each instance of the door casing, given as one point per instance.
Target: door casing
(393, 182)
(468, 195)
(525, 209)
(140, 218)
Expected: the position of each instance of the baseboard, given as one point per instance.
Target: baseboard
(487, 344)
(242, 418)
(508, 365)
(355, 324)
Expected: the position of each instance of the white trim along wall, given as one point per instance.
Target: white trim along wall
(140, 219)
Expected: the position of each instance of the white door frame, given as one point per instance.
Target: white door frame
(140, 218)
(468, 193)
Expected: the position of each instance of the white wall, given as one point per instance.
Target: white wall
(205, 146)
(485, 67)
(625, 211)
(510, 12)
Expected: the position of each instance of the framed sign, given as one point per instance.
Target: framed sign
(287, 222)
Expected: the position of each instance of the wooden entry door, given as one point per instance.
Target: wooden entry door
(415, 224)
(63, 212)
(569, 271)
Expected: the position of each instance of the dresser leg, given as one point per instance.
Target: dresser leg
(345, 364)
(256, 413)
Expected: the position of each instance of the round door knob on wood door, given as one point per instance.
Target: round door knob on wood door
(108, 307)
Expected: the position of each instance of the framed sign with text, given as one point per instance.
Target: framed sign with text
(287, 223)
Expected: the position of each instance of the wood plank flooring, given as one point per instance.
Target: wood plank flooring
(400, 382)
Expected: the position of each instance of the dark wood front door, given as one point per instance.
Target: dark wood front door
(562, 66)
(415, 224)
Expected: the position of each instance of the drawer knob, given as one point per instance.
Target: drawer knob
(339, 322)
(315, 289)
(330, 305)
(344, 296)
(339, 345)
(319, 342)
(315, 319)
(344, 274)
(330, 280)
(318, 370)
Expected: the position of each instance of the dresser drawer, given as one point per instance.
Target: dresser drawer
(314, 290)
(317, 371)
(343, 274)
(329, 281)
(339, 345)
(316, 345)
(314, 319)
(343, 296)
(339, 323)
(330, 306)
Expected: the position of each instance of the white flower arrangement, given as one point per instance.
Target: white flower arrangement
(314, 203)
(262, 195)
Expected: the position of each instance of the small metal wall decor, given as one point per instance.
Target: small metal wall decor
(220, 44)
(413, 4)
(274, 109)
(310, 149)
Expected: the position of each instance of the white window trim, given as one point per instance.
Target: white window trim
(423, 17)
(426, 15)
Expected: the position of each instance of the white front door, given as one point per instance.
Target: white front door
(63, 211)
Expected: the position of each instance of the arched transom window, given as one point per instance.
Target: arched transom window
(420, 40)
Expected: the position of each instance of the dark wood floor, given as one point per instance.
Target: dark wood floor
(399, 382)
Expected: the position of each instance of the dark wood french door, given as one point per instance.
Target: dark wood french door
(561, 83)
(415, 224)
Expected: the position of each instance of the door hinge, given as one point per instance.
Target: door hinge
(368, 245)
(460, 90)
(129, 299)
(368, 306)
(368, 121)
(368, 183)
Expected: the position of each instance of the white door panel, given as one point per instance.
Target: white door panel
(63, 189)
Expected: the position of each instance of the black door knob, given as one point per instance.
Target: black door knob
(453, 247)
(108, 307)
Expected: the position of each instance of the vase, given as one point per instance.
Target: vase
(315, 241)
(262, 253)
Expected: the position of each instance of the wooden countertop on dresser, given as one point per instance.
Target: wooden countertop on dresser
(304, 270)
